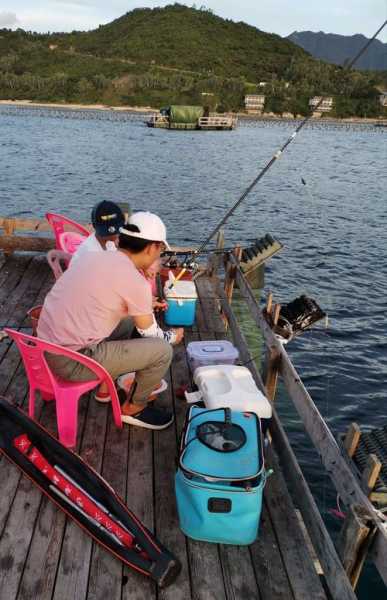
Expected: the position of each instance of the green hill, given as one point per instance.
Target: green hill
(176, 55)
(189, 39)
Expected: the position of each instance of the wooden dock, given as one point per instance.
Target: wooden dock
(43, 555)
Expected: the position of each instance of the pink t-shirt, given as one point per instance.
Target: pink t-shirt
(89, 300)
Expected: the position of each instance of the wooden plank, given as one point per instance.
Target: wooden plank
(106, 572)
(371, 473)
(74, 563)
(238, 573)
(11, 274)
(299, 565)
(26, 224)
(205, 566)
(273, 582)
(13, 382)
(336, 577)
(16, 537)
(20, 526)
(140, 499)
(26, 243)
(352, 439)
(13, 310)
(166, 521)
(353, 534)
(40, 569)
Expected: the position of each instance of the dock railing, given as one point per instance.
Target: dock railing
(364, 532)
(217, 121)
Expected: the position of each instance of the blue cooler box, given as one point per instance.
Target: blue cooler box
(181, 303)
(220, 478)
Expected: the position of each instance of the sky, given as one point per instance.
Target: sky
(345, 17)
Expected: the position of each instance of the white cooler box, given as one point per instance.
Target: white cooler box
(230, 386)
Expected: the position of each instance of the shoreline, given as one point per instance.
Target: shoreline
(150, 110)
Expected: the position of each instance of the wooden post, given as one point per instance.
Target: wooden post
(274, 358)
(269, 303)
(370, 473)
(355, 538)
(214, 260)
(352, 439)
(230, 274)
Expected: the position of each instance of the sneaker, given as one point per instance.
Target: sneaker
(149, 418)
(125, 383)
(102, 397)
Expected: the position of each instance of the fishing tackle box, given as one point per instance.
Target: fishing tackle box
(211, 352)
(220, 476)
(181, 300)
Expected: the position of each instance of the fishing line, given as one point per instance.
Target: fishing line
(279, 153)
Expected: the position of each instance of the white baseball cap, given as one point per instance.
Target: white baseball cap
(150, 228)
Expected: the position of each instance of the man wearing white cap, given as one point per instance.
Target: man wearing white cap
(96, 296)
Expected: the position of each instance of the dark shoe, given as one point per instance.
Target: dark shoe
(149, 418)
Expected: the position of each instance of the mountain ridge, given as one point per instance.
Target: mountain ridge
(337, 49)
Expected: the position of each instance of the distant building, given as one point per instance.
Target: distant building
(325, 106)
(254, 103)
(383, 99)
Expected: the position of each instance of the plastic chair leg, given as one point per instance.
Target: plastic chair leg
(46, 396)
(31, 403)
(67, 417)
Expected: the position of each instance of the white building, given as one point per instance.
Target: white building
(325, 106)
(254, 103)
(383, 98)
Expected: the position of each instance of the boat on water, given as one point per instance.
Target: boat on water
(191, 118)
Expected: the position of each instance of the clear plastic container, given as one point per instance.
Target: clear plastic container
(212, 352)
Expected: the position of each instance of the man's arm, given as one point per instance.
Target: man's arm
(147, 327)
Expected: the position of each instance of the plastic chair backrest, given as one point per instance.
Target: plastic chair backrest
(54, 258)
(70, 241)
(33, 349)
(58, 223)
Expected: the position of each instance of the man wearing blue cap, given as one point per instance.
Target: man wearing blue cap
(107, 218)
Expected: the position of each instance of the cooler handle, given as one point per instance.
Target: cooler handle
(212, 349)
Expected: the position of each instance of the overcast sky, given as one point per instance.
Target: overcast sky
(345, 17)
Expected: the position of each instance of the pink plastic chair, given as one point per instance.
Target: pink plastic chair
(54, 258)
(51, 386)
(58, 223)
(70, 241)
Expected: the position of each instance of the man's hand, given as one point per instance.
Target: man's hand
(179, 332)
(157, 305)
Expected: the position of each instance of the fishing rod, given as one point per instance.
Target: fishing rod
(274, 158)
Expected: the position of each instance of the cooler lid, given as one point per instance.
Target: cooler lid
(181, 289)
(233, 452)
(215, 348)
